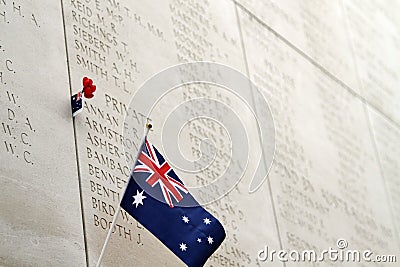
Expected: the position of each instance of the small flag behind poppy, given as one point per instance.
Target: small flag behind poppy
(87, 91)
(76, 103)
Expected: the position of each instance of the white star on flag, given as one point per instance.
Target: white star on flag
(185, 219)
(199, 240)
(183, 246)
(207, 221)
(138, 198)
(210, 240)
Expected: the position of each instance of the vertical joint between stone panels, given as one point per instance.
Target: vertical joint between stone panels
(255, 109)
(350, 39)
(75, 137)
(378, 158)
(366, 107)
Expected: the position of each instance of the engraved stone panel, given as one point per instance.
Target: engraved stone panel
(325, 179)
(120, 45)
(387, 138)
(316, 28)
(375, 37)
(40, 221)
(327, 68)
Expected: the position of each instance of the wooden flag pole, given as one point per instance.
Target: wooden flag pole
(148, 127)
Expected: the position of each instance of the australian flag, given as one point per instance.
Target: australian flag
(76, 103)
(152, 198)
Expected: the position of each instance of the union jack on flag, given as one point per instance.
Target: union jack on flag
(152, 162)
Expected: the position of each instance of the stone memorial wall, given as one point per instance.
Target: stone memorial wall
(329, 71)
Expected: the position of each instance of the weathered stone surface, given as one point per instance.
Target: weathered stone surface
(387, 138)
(327, 69)
(138, 44)
(325, 179)
(316, 28)
(375, 36)
(40, 221)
